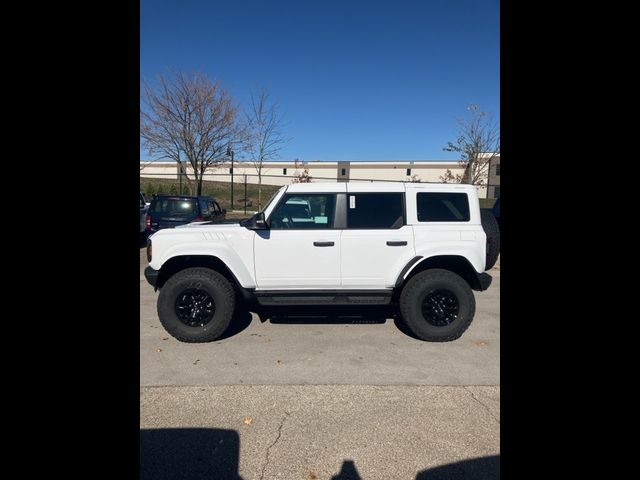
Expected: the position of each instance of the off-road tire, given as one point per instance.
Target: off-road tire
(429, 282)
(199, 279)
(492, 230)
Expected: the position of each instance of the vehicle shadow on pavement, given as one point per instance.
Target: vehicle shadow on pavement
(347, 472)
(483, 468)
(189, 454)
(240, 321)
(211, 453)
(333, 315)
(400, 325)
(322, 315)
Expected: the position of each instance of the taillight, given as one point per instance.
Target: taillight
(148, 219)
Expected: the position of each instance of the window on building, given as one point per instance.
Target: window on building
(497, 170)
(344, 172)
(408, 172)
(375, 210)
(231, 170)
(284, 171)
(312, 211)
(443, 207)
(496, 192)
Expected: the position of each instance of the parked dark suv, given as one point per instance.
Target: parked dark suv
(143, 215)
(168, 211)
(496, 211)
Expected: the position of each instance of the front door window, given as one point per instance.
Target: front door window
(311, 211)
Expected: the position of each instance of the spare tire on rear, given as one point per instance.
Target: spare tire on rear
(492, 230)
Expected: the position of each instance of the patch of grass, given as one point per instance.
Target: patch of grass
(221, 191)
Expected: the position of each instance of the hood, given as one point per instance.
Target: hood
(196, 230)
(211, 224)
(200, 238)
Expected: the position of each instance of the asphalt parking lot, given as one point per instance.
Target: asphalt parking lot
(305, 350)
(320, 397)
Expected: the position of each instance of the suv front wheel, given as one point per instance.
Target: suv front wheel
(437, 305)
(196, 305)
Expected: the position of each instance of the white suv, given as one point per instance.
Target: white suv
(420, 247)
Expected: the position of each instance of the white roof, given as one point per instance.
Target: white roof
(317, 187)
(346, 187)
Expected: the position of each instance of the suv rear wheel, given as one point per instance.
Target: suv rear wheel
(437, 305)
(196, 305)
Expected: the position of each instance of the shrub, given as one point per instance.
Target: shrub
(150, 190)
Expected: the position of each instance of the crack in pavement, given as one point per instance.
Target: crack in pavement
(481, 403)
(266, 463)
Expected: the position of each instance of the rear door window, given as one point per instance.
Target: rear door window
(375, 210)
(443, 207)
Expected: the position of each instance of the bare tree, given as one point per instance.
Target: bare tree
(264, 138)
(478, 143)
(188, 118)
(301, 174)
(145, 165)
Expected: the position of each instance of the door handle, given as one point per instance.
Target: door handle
(396, 243)
(323, 244)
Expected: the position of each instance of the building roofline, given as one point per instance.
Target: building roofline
(327, 162)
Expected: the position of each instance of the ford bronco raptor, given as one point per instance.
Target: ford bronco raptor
(418, 248)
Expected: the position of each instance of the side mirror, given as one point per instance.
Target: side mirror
(257, 222)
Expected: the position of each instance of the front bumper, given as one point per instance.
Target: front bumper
(151, 275)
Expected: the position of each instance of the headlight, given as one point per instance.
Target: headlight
(149, 250)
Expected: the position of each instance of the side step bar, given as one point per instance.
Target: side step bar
(323, 297)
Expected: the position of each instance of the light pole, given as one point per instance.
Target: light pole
(230, 153)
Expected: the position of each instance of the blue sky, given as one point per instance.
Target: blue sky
(356, 80)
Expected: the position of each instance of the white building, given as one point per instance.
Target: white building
(284, 172)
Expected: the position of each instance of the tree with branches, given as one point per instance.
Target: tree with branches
(478, 143)
(190, 119)
(264, 137)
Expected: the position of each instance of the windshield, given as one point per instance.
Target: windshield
(175, 206)
(271, 199)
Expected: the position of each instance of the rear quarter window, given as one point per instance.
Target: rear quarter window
(442, 207)
(175, 206)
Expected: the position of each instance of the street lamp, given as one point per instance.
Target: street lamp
(230, 153)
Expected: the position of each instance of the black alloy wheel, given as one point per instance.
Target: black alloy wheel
(195, 307)
(440, 308)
